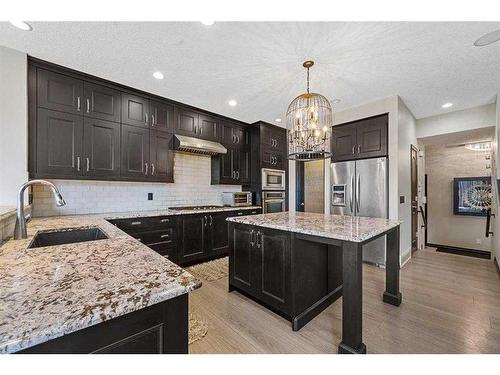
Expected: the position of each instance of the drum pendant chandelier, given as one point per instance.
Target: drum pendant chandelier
(309, 122)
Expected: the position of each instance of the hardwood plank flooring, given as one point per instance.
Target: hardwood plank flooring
(451, 304)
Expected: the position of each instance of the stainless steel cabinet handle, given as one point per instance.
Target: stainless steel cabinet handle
(353, 149)
(136, 223)
(146, 168)
(152, 169)
(165, 236)
(257, 240)
(238, 177)
(211, 221)
(237, 139)
(164, 220)
(358, 203)
(88, 105)
(234, 138)
(78, 163)
(78, 104)
(352, 192)
(205, 221)
(153, 120)
(146, 117)
(201, 130)
(88, 164)
(251, 238)
(359, 149)
(195, 130)
(240, 213)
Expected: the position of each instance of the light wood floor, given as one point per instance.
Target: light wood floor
(451, 304)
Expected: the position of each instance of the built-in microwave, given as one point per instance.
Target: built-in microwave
(273, 179)
(273, 201)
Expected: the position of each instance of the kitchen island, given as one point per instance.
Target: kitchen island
(297, 264)
(112, 295)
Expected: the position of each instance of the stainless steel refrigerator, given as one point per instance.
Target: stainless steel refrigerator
(360, 188)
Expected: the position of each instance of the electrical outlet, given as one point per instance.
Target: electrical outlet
(150, 196)
(401, 199)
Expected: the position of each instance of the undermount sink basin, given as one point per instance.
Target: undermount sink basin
(67, 236)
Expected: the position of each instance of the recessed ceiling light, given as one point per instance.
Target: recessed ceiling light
(232, 103)
(278, 120)
(21, 25)
(487, 39)
(208, 23)
(158, 75)
(447, 105)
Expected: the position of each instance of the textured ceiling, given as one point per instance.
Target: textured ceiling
(259, 64)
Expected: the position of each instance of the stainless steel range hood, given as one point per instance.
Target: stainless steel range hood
(198, 146)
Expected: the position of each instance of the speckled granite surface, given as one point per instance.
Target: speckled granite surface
(48, 292)
(345, 228)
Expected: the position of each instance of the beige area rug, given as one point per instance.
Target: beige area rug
(198, 328)
(210, 271)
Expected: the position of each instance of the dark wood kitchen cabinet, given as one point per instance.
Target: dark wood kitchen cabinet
(232, 168)
(260, 264)
(101, 102)
(135, 152)
(217, 239)
(135, 110)
(59, 144)
(161, 156)
(272, 159)
(101, 148)
(192, 238)
(162, 116)
(362, 139)
(233, 135)
(187, 122)
(273, 138)
(208, 128)
(59, 92)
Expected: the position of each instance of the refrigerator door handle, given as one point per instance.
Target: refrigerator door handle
(352, 193)
(358, 188)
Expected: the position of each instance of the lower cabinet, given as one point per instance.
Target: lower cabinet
(158, 329)
(261, 265)
(184, 239)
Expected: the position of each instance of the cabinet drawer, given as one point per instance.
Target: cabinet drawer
(166, 236)
(166, 250)
(255, 211)
(145, 223)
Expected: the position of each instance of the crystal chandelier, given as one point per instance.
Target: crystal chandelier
(309, 122)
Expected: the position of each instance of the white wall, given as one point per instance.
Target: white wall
(451, 122)
(192, 187)
(13, 124)
(406, 137)
(495, 176)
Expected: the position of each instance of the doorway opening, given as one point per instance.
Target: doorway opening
(310, 186)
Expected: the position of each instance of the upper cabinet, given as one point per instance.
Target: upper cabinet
(273, 138)
(101, 102)
(59, 92)
(135, 110)
(194, 124)
(361, 139)
(162, 116)
(233, 135)
(208, 128)
(101, 148)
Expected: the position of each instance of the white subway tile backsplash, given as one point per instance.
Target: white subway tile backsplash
(192, 186)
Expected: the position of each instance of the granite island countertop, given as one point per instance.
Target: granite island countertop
(48, 292)
(338, 227)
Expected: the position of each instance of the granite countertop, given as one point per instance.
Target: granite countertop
(49, 292)
(169, 212)
(339, 227)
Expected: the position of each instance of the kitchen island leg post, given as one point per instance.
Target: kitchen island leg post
(392, 294)
(352, 300)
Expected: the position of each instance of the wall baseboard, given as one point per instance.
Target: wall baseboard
(404, 258)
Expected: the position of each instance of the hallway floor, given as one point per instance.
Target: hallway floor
(451, 304)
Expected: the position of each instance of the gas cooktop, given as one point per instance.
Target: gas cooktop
(201, 208)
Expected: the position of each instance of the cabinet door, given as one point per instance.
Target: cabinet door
(208, 128)
(101, 148)
(161, 156)
(192, 238)
(162, 116)
(187, 122)
(227, 134)
(266, 137)
(102, 102)
(241, 254)
(273, 267)
(280, 140)
(135, 152)
(59, 143)
(343, 142)
(371, 137)
(135, 110)
(217, 234)
(272, 159)
(59, 92)
(227, 167)
(244, 166)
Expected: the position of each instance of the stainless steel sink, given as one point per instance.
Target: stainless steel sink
(67, 236)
